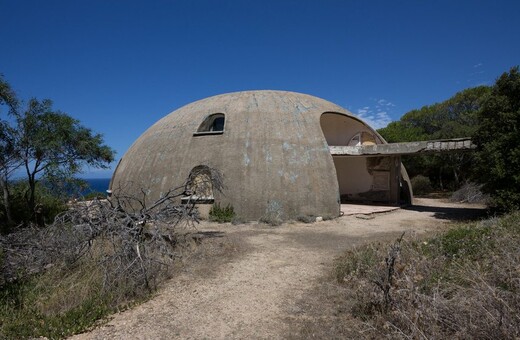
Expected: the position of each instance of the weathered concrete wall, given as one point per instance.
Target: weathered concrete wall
(339, 129)
(272, 153)
(353, 176)
(365, 179)
(369, 179)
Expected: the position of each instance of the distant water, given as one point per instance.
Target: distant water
(96, 185)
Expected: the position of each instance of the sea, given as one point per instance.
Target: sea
(96, 185)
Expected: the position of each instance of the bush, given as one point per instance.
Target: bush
(237, 220)
(306, 218)
(464, 283)
(94, 195)
(358, 261)
(328, 217)
(468, 242)
(40, 307)
(221, 215)
(498, 143)
(273, 221)
(421, 185)
(96, 257)
(273, 214)
(49, 204)
(469, 193)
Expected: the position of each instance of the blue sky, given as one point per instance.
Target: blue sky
(119, 66)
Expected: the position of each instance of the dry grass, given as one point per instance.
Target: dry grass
(62, 301)
(72, 288)
(470, 193)
(462, 284)
(97, 257)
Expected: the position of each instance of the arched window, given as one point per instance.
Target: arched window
(199, 184)
(213, 124)
(355, 141)
(362, 138)
(199, 189)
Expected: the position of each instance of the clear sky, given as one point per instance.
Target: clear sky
(119, 66)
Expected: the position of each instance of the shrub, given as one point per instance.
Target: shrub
(467, 242)
(221, 215)
(273, 221)
(463, 283)
(237, 220)
(94, 195)
(358, 261)
(498, 143)
(41, 307)
(273, 214)
(306, 218)
(49, 204)
(469, 193)
(96, 257)
(421, 185)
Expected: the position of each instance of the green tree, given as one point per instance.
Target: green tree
(46, 144)
(7, 95)
(9, 156)
(452, 118)
(56, 146)
(498, 142)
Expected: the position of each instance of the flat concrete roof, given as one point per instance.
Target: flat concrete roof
(432, 146)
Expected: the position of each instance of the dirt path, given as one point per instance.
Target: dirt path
(251, 295)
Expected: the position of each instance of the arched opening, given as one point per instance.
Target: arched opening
(360, 178)
(199, 190)
(362, 138)
(199, 185)
(212, 124)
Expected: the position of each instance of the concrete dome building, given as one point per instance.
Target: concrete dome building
(272, 148)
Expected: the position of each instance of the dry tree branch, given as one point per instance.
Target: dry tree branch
(133, 246)
(386, 280)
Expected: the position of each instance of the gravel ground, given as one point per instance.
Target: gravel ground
(253, 291)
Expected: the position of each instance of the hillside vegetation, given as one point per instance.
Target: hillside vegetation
(453, 118)
(463, 283)
(489, 115)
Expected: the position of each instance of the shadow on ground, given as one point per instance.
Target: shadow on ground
(200, 235)
(451, 213)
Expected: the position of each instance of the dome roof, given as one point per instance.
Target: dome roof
(271, 150)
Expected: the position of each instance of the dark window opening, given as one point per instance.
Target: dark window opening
(218, 124)
(213, 124)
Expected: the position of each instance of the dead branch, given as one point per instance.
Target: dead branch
(385, 281)
(132, 241)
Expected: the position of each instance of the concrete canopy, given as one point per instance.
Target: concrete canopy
(271, 151)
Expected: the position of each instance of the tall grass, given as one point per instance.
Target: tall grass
(464, 283)
(61, 301)
(54, 304)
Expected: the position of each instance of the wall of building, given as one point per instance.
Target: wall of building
(366, 179)
(338, 129)
(272, 154)
(353, 176)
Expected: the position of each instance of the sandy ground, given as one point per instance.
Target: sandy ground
(254, 293)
